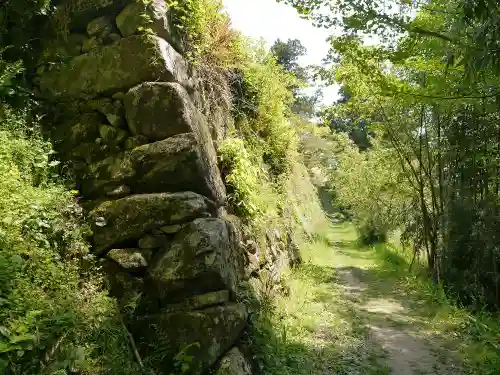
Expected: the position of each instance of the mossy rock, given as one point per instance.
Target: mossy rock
(154, 16)
(135, 141)
(76, 14)
(56, 50)
(159, 110)
(131, 260)
(175, 164)
(234, 363)
(115, 67)
(201, 258)
(203, 335)
(115, 222)
(112, 110)
(112, 135)
(151, 241)
(99, 27)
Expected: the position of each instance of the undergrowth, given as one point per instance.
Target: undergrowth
(55, 314)
(311, 326)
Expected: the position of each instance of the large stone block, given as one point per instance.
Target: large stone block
(76, 14)
(159, 110)
(130, 218)
(174, 164)
(202, 258)
(114, 68)
(153, 15)
(203, 335)
(234, 363)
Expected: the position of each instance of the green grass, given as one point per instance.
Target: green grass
(317, 327)
(312, 329)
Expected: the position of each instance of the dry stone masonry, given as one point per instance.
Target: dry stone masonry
(121, 109)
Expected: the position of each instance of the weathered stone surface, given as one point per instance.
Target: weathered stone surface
(61, 49)
(234, 363)
(201, 258)
(169, 229)
(78, 13)
(115, 67)
(175, 164)
(120, 192)
(111, 109)
(123, 285)
(88, 152)
(99, 27)
(90, 44)
(135, 141)
(80, 129)
(111, 135)
(152, 242)
(208, 299)
(200, 301)
(204, 335)
(131, 217)
(155, 15)
(131, 260)
(159, 110)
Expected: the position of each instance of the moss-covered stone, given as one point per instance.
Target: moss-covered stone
(131, 260)
(151, 241)
(80, 129)
(112, 135)
(114, 222)
(175, 164)
(169, 229)
(135, 141)
(201, 258)
(208, 299)
(90, 44)
(153, 15)
(115, 67)
(119, 192)
(200, 301)
(159, 110)
(76, 14)
(203, 335)
(62, 49)
(111, 109)
(99, 27)
(234, 363)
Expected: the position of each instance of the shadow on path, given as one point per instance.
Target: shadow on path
(394, 320)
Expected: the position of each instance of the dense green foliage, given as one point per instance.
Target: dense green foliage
(429, 90)
(55, 313)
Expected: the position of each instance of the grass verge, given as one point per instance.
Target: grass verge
(313, 327)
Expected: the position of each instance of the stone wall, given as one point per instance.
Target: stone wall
(120, 108)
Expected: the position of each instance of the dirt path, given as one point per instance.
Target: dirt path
(388, 318)
(350, 310)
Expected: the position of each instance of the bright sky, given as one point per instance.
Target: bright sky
(269, 20)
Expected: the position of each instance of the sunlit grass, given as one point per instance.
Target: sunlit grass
(315, 328)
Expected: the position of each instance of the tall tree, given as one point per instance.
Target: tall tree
(430, 89)
(287, 55)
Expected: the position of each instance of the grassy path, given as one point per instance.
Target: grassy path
(356, 310)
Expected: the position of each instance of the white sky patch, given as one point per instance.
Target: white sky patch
(269, 20)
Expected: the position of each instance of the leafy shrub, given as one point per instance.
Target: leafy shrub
(54, 312)
(241, 176)
(371, 186)
(261, 109)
